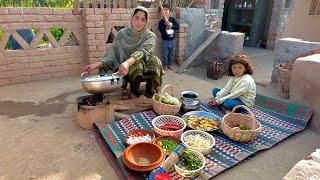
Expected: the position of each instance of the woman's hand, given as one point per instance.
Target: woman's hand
(123, 68)
(213, 103)
(91, 67)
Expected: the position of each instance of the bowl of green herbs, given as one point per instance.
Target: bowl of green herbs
(190, 164)
(167, 143)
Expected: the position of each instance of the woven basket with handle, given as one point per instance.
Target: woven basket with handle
(232, 119)
(165, 109)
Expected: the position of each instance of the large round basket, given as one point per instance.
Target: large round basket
(165, 109)
(232, 119)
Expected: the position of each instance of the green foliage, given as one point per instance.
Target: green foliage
(1, 33)
(8, 46)
(37, 3)
(178, 3)
(57, 33)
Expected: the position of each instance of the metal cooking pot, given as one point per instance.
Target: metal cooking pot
(100, 84)
(189, 100)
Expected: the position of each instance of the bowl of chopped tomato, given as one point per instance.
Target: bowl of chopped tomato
(139, 135)
(168, 125)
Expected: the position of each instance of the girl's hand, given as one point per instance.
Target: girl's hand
(213, 103)
(124, 68)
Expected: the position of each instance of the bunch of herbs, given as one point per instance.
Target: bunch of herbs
(189, 161)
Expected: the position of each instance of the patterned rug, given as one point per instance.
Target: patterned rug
(279, 120)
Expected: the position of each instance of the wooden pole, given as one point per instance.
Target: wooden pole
(164, 17)
(195, 54)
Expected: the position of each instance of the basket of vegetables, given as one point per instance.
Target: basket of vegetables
(164, 103)
(240, 127)
(190, 164)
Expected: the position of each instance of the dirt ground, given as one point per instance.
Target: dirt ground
(40, 139)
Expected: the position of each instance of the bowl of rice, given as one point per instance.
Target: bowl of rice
(200, 141)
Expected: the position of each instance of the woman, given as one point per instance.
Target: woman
(131, 54)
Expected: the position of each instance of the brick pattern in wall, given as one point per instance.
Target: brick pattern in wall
(90, 27)
(33, 62)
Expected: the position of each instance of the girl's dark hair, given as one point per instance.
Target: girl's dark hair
(241, 59)
(145, 13)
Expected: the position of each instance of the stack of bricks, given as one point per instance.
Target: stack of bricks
(95, 32)
(181, 43)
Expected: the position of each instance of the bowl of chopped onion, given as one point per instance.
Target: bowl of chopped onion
(200, 141)
(139, 135)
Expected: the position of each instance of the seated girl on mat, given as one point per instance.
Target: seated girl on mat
(240, 89)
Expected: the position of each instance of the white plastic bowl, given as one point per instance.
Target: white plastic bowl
(203, 134)
(193, 173)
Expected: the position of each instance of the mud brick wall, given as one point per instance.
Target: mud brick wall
(289, 49)
(91, 27)
(34, 63)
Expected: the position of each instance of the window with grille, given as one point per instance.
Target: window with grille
(315, 7)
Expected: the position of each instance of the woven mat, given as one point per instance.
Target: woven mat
(279, 120)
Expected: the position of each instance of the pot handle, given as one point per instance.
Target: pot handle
(83, 74)
(113, 74)
(244, 107)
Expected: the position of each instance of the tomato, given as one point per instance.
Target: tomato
(169, 127)
(137, 134)
(162, 176)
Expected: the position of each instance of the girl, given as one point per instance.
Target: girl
(131, 54)
(240, 89)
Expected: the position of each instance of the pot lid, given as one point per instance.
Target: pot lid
(100, 78)
(189, 94)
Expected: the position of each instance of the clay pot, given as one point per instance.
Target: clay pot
(141, 152)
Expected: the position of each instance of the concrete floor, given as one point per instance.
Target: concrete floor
(40, 139)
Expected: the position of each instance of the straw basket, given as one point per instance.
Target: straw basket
(165, 109)
(232, 119)
(216, 67)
